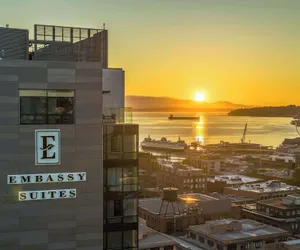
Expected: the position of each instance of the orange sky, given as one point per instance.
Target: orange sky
(245, 52)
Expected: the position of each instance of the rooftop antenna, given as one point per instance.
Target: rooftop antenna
(103, 26)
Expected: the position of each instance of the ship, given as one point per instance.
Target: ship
(172, 117)
(163, 144)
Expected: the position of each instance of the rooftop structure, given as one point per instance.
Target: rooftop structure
(149, 238)
(179, 168)
(282, 212)
(56, 43)
(231, 179)
(267, 187)
(234, 234)
(189, 209)
(264, 190)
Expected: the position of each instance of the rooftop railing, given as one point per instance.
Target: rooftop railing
(117, 115)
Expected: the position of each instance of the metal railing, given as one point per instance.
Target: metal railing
(117, 115)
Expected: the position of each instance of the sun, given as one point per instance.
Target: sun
(199, 97)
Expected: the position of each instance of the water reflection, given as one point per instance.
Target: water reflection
(199, 130)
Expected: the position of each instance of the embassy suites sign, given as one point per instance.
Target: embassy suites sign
(47, 152)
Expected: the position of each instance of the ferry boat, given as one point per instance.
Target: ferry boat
(172, 117)
(163, 144)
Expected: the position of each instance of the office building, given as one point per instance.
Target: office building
(186, 179)
(279, 212)
(56, 135)
(263, 191)
(230, 234)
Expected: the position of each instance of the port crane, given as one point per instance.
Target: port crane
(244, 134)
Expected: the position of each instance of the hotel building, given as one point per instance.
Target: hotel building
(57, 146)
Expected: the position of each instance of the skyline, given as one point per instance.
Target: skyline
(244, 53)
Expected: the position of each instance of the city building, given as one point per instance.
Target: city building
(173, 213)
(51, 154)
(263, 191)
(282, 212)
(286, 245)
(209, 163)
(230, 234)
(186, 179)
(63, 125)
(282, 160)
(150, 239)
(219, 182)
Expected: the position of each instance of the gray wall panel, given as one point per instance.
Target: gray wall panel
(52, 224)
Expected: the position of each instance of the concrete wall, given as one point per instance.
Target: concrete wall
(52, 224)
(15, 43)
(114, 81)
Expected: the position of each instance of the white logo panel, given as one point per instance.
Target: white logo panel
(47, 147)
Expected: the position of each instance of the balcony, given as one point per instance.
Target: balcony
(119, 115)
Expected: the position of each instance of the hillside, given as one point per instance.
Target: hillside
(147, 103)
(279, 111)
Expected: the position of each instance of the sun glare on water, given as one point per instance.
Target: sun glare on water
(199, 97)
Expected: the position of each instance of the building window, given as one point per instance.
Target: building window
(114, 240)
(122, 179)
(130, 179)
(114, 177)
(114, 208)
(130, 239)
(46, 106)
(116, 143)
(130, 210)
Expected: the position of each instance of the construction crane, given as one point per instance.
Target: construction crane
(244, 134)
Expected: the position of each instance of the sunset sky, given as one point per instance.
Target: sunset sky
(243, 51)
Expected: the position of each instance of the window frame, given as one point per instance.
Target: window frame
(47, 115)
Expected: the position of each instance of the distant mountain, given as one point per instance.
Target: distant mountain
(149, 103)
(277, 111)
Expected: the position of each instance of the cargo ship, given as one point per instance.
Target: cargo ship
(172, 117)
(163, 144)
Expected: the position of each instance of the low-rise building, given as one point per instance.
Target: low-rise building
(209, 163)
(263, 191)
(186, 179)
(279, 161)
(287, 245)
(185, 210)
(230, 234)
(219, 182)
(283, 212)
(150, 239)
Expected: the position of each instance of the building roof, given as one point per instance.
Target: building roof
(207, 203)
(280, 202)
(266, 187)
(149, 238)
(233, 179)
(249, 229)
(294, 243)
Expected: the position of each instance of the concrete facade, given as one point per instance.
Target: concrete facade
(114, 81)
(63, 223)
(14, 43)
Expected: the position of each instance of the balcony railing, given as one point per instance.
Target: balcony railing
(117, 115)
